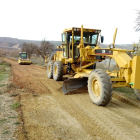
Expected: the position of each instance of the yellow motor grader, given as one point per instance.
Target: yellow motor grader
(23, 59)
(78, 55)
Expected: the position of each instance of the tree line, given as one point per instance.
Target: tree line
(45, 49)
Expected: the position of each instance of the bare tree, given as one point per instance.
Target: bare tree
(45, 49)
(137, 27)
(30, 48)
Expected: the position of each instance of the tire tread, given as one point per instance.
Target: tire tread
(106, 86)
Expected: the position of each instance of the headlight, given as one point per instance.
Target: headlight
(111, 46)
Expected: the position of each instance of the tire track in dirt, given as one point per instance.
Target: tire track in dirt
(89, 124)
(54, 123)
(27, 81)
(112, 119)
(127, 100)
(123, 107)
(95, 113)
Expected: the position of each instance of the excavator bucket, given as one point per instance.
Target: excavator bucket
(72, 84)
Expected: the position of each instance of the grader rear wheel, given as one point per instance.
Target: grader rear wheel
(99, 87)
(50, 69)
(58, 71)
(137, 93)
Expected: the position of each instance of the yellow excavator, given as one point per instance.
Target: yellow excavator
(77, 57)
(23, 59)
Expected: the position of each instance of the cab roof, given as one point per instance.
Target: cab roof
(79, 29)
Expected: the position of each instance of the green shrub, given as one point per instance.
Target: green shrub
(17, 123)
(16, 105)
(124, 90)
(3, 120)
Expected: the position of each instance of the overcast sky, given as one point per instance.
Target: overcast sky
(39, 19)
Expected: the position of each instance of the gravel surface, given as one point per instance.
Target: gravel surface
(8, 118)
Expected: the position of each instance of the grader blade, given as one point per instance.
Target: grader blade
(72, 84)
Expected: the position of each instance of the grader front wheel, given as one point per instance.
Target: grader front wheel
(99, 87)
(58, 71)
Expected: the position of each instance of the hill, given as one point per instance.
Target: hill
(8, 42)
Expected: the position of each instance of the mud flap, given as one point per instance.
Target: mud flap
(73, 84)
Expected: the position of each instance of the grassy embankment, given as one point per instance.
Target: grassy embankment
(4, 71)
(8, 116)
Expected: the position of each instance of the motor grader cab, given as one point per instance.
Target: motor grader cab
(78, 55)
(23, 58)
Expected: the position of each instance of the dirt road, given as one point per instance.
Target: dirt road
(48, 114)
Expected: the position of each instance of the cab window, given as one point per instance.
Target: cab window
(23, 55)
(64, 38)
(94, 39)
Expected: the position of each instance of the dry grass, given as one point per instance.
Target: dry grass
(5, 63)
(4, 70)
(7, 52)
(38, 60)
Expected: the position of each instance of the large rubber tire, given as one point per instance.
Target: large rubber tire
(58, 71)
(137, 93)
(50, 69)
(99, 87)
